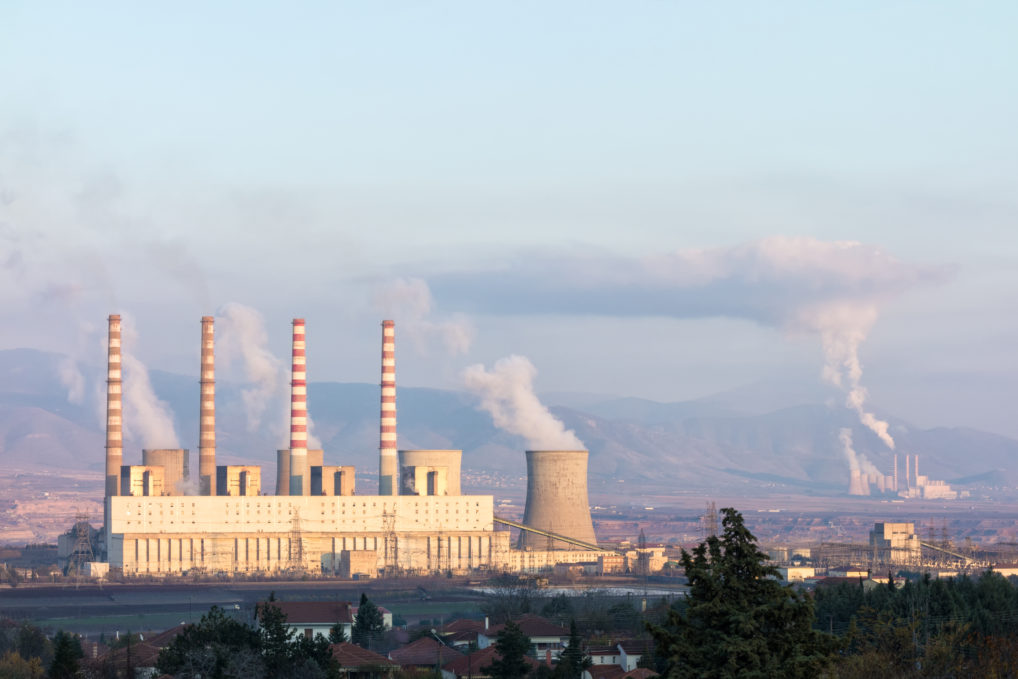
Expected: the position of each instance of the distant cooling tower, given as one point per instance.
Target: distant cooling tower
(557, 498)
(429, 472)
(175, 466)
(314, 459)
(857, 485)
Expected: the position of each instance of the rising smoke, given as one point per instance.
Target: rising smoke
(241, 338)
(507, 394)
(408, 301)
(832, 289)
(147, 419)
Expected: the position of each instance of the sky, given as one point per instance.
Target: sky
(654, 199)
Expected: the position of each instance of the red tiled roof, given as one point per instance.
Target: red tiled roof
(606, 671)
(464, 625)
(164, 639)
(425, 652)
(320, 612)
(466, 665)
(351, 656)
(640, 673)
(143, 654)
(532, 626)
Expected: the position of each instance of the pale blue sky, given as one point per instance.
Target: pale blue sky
(173, 157)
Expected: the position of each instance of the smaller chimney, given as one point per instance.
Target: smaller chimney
(207, 410)
(300, 481)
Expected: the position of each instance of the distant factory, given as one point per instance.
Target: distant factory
(158, 521)
(915, 485)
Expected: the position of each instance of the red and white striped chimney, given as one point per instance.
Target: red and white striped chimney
(387, 429)
(207, 413)
(299, 477)
(114, 416)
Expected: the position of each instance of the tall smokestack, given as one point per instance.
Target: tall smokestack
(915, 470)
(895, 489)
(387, 467)
(908, 471)
(114, 417)
(299, 477)
(207, 413)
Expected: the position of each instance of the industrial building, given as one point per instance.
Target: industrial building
(315, 522)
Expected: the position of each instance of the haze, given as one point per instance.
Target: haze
(661, 200)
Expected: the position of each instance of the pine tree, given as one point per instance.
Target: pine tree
(277, 642)
(66, 653)
(512, 645)
(337, 634)
(740, 621)
(574, 658)
(368, 624)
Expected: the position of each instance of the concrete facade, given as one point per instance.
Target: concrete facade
(429, 472)
(141, 481)
(557, 499)
(238, 480)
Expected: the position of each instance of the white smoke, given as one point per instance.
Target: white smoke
(241, 337)
(147, 419)
(843, 327)
(856, 461)
(72, 379)
(409, 302)
(507, 393)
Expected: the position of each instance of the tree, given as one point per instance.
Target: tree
(66, 653)
(510, 596)
(277, 638)
(574, 658)
(559, 608)
(337, 634)
(512, 646)
(216, 646)
(740, 621)
(13, 666)
(368, 624)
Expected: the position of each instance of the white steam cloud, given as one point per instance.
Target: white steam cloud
(409, 302)
(857, 462)
(833, 289)
(507, 394)
(146, 418)
(241, 338)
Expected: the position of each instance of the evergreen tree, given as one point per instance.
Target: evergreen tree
(740, 621)
(66, 653)
(216, 646)
(368, 624)
(337, 634)
(512, 646)
(277, 638)
(574, 658)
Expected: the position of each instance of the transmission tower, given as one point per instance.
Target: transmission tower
(709, 521)
(81, 553)
(389, 528)
(296, 560)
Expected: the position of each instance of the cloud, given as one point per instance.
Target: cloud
(507, 394)
(408, 301)
(831, 288)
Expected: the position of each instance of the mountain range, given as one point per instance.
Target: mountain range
(765, 436)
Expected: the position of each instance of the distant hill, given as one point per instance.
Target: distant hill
(714, 443)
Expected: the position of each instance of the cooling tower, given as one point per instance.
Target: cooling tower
(300, 480)
(557, 498)
(387, 469)
(114, 416)
(429, 472)
(207, 412)
(314, 458)
(858, 484)
(174, 464)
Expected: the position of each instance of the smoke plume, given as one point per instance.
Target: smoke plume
(833, 289)
(147, 419)
(507, 394)
(242, 338)
(409, 302)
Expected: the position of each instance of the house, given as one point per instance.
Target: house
(605, 655)
(462, 633)
(545, 636)
(309, 618)
(471, 666)
(425, 653)
(359, 663)
(617, 672)
(625, 654)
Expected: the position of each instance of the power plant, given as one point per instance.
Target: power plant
(315, 521)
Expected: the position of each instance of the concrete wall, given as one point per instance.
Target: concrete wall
(429, 472)
(174, 462)
(557, 498)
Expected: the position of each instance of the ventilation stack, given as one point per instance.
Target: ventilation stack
(387, 467)
(557, 499)
(300, 482)
(856, 485)
(895, 488)
(114, 417)
(207, 413)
